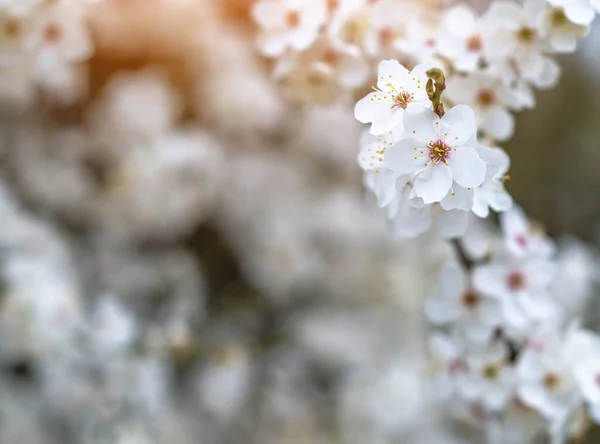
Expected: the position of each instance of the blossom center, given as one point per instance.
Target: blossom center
(471, 299)
(516, 281)
(490, 371)
(521, 241)
(333, 5)
(526, 34)
(53, 33)
(551, 381)
(558, 17)
(401, 100)
(293, 19)
(386, 37)
(474, 44)
(486, 97)
(439, 152)
(12, 29)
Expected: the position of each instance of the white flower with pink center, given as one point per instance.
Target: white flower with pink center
(439, 151)
(521, 237)
(554, 373)
(521, 286)
(292, 24)
(447, 359)
(490, 98)
(457, 303)
(490, 379)
(397, 89)
(461, 38)
(587, 375)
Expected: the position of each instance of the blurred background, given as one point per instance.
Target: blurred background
(188, 255)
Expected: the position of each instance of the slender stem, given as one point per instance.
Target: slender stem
(462, 255)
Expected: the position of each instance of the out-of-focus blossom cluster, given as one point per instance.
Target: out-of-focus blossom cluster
(43, 45)
(509, 346)
(323, 49)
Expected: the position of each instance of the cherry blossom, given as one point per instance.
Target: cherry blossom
(490, 379)
(457, 302)
(439, 151)
(490, 98)
(288, 24)
(397, 90)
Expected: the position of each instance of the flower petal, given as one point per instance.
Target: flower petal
(468, 170)
(420, 124)
(400, 157)
(451, 224)
(433, 183)
(458, 125)
(391, 72)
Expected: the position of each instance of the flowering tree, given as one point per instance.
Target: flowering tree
(443, 98)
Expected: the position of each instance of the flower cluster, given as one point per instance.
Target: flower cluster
(506, 341)
(42, 44)
(324, 48)
(425, 165)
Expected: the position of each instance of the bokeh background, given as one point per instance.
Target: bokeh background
(188, 256)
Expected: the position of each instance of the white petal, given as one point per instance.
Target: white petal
(391, 72)
(303, 37)
(461, 20)
(272, 44)
(580, 12)
(400, 157)
(409, 221)
(451, 224)
(433, 183)
(489, 279)
(385, 186)
(442, 310)
(383, 117)
(458, 198)
(420, 123)
(468, 170)
(458, 125)
(498, 122)
(269, 14)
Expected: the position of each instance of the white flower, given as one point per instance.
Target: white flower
(447, 359)
(15, 30)
(560, 32)
(461, 39)
(397, 89)
(490, 98)
(518, 34)
(580, 12)
(523, 238)
(438, 151)
(491, 193)
(521, 285)
(387, 21)
(546, 373)
(490, 379)
(419, 40)
(321, 73)
(458, 304)
(287, 24)
(587, 375)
